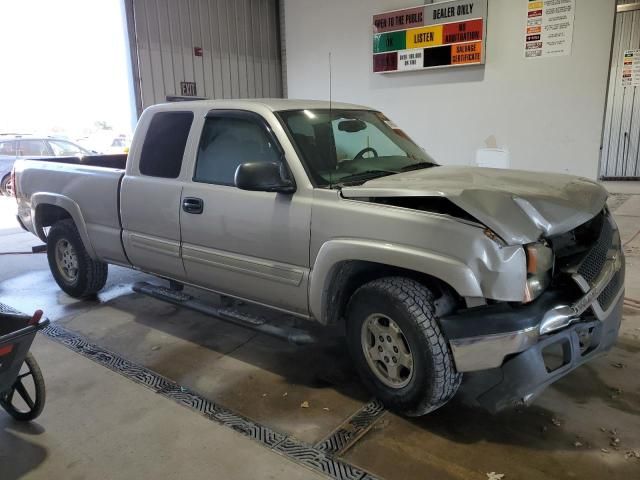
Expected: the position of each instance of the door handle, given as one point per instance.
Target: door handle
(193, 205)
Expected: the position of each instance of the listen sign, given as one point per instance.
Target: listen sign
(441, 34)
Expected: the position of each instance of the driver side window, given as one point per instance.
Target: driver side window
(226, 143)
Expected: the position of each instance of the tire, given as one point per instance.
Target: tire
(75, 272)
(3, 185)
(35, 409)
(424, 377)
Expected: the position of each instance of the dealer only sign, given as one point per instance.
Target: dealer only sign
(438, 35)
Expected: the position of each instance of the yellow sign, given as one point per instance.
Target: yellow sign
(535, 5)
(424, 37)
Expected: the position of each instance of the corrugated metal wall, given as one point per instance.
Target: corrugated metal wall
(621, 137)
(239, 41)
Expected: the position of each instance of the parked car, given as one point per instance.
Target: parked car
(332, 214)
(15, 146)
(106, 142)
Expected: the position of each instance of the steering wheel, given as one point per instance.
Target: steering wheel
(365, 150)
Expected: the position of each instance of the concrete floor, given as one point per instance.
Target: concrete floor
(100, 425)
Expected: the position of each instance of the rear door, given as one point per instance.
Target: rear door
(253, 245)
(150, 195)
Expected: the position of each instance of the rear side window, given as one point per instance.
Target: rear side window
(164, 144)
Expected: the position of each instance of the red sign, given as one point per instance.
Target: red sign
(469, 31)
(197, 51)
(385, 62)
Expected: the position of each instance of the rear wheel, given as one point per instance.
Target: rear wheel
(75, 272)
(398, 348)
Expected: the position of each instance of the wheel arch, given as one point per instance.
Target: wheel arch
(341, 266)
(49, 208)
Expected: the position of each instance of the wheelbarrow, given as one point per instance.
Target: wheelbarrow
(22, 391)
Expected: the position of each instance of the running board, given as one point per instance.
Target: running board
(227, 314)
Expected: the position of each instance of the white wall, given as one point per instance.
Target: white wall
(548, 112)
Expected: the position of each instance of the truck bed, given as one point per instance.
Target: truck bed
(117, 161)
(88, 187)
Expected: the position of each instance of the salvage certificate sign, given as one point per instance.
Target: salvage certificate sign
(631, 68)
(549, 28)
(442, 34)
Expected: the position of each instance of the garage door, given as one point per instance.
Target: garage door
(204, 49)
(620, 157)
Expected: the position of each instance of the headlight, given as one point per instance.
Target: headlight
(540, 261)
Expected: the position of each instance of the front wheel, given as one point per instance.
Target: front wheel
(4, 185)
(75, 272)
(398, 348)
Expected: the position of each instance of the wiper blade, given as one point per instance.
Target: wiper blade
(417, 166)
(367, 175)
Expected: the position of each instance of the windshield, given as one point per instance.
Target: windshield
(352, 146)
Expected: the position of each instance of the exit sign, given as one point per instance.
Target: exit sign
(188, 89)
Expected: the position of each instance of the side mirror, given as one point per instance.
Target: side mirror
(262, 177)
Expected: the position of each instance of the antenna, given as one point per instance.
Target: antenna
(329, 82)
(330, 130)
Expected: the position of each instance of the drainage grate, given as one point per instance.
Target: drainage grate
(7, 309)
(317, 457)
(351, 430)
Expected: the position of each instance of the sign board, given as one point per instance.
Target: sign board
(549, 28)
(631, 68)
(442, 34)
(188, 89)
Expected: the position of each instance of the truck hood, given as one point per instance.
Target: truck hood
(520, 206)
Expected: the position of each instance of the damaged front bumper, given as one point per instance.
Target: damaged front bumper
(522, 377)
(509, 351)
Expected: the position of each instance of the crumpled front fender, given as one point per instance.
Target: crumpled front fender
(494, 273)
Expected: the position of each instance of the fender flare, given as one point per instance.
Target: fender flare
(450, 270)
(71, 207)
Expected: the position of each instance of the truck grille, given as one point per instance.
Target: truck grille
(592, 264)
(607, 296)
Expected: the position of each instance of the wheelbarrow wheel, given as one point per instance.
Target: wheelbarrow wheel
(19, 402)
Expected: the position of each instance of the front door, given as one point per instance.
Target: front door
(253, 245)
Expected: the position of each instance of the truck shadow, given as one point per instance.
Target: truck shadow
(236, 367)
(327, 366)
(321, 366)
(530, 427)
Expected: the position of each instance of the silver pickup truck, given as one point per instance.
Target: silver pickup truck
(331, 213)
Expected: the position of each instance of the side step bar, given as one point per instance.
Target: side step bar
(290, 334)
